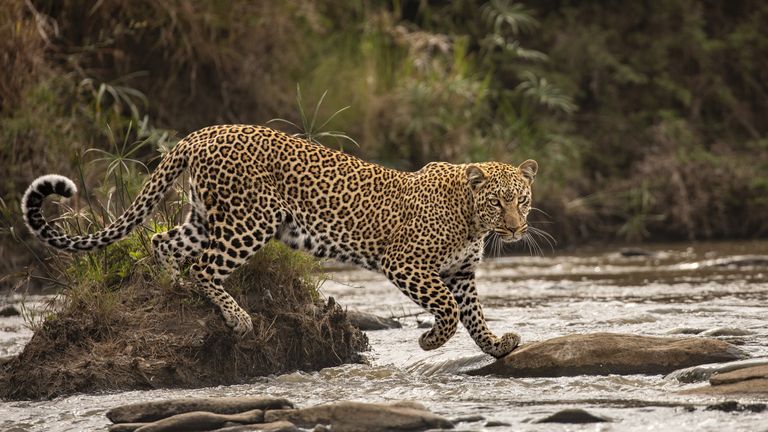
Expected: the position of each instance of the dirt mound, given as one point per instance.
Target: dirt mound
(146, 335)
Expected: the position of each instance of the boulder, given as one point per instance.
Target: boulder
(573, 416)
(151, 411)
(609, 353)
(367, 321)
(348, 416)
(746, 381)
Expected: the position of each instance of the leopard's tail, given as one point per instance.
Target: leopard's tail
(153, 191)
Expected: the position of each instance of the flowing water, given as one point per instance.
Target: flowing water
(676, 290)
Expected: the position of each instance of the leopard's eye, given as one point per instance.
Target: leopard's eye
(494, 202)
(522, 199)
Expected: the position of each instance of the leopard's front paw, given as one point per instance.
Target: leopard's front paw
(502, 346)
(430, 340)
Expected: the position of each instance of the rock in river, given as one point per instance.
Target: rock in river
(751, 380)
(348, 416)
(609, 353)
(573, 416)
(704, 372)
(271, 415)
(367, 321)
(151, 411)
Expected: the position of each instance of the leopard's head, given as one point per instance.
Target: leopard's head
(502, 196)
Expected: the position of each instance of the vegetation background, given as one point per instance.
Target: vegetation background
(649, 119)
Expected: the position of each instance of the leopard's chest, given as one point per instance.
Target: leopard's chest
(462, 257)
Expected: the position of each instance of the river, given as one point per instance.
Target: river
(676, 289)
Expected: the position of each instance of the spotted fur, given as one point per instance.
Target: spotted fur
(423, 230)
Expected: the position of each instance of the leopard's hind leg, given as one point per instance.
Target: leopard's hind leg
(237, 232)
(187, 240)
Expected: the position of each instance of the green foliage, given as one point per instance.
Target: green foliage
(647, 120)
(309, 128)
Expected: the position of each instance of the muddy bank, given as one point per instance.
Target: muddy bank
(147, 335)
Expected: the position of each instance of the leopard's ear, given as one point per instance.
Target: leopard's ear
(475, 176)
(529, 169)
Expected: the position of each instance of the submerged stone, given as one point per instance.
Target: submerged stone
(745, 381)
(704, 372)
(754, 372)
(609, 353)
(348, 416)
(151, 411)
(733, 406)
(367, 321)
(573, 416)
(200, 421)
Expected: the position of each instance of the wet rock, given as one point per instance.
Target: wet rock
(9, 311)
(199, 421)
(750, 373)
(348, 416)
(278, 426)
(749, 387)
(467, 419)
(636, 252)
(704, 372)
(733, 406)
(151, 411)
(367, 321)
(746, 381)
(609, 353)
(496, 423)
(573, 415)
(726, 331)
(686, 330)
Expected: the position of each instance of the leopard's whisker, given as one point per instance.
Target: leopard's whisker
(543, 235)
(535, 248)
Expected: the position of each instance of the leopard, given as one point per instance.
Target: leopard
(425, 230)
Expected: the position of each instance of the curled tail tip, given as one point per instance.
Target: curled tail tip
(52, 184)
(37, 191)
